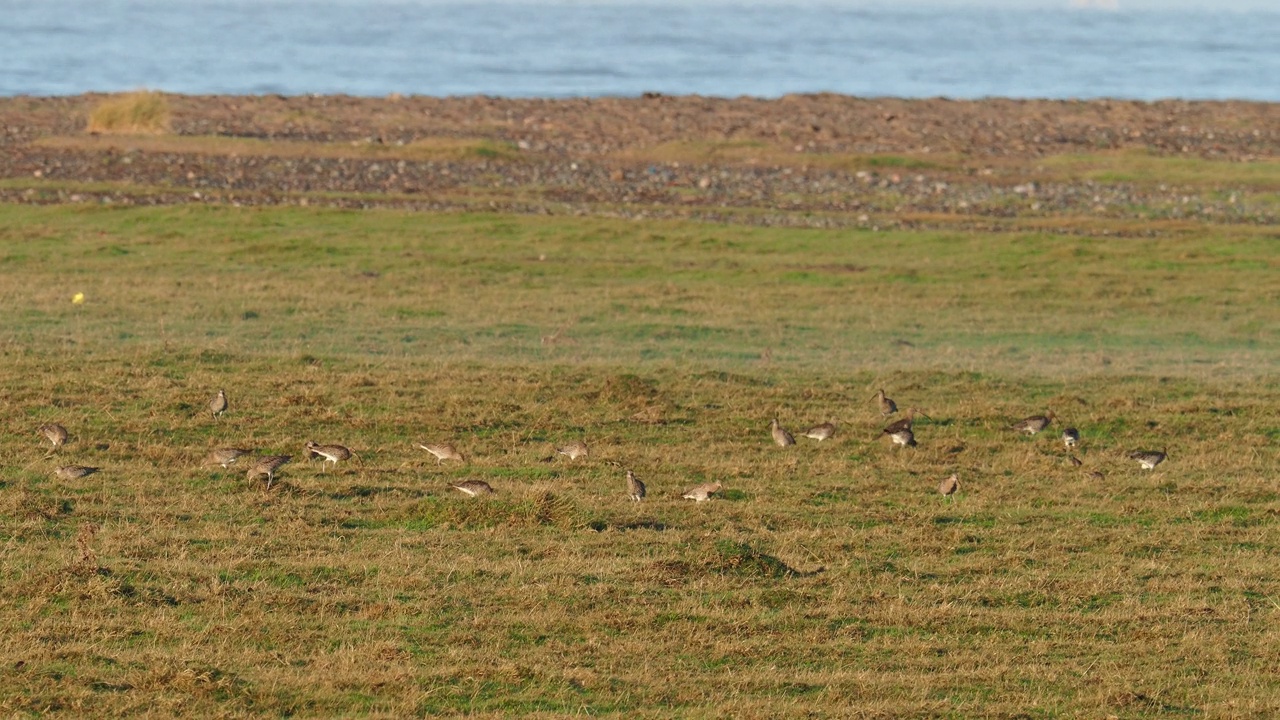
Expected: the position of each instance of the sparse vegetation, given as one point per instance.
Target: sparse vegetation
(144, 112)
(828, 579)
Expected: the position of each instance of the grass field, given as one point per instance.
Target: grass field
(828, 580)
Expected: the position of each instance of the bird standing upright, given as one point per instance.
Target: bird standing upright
(887, 405)
(218, 404)
(780, 435)
(1070, 437)
(635, 488)
(949, 486)
(906, 423)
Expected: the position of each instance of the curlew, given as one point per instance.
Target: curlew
(1098, 475)
(906, 423)
(442, 451)
(902, 436)
(1148, 459)
(635, 488)
(1070, 437)
(55, 434)
(825, 431)
(574, 450)
(887, 405)
(702, 493)
(780, 435)
(330, 453)
(267, 465)
(73, 472)
(949, 486)
(224, 457)
(218, 404)
(1075, 461)
(1033, 424)
(474, 488)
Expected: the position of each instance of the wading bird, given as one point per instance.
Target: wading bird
(702, 493)
(474, 488)
(780, 435)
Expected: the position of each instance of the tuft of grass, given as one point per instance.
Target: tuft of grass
(739, 558)
(144, 112)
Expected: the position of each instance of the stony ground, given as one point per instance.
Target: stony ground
(809, 160)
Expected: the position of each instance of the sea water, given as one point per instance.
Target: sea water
(1015, 48)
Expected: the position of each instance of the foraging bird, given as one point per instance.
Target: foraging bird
(906, 423)
(702, 493)
(1098, 475)
(443, 451)
(780, 436)
(474, 488)
(635, 488)
(1075, 461)
(825, 431)
(55, 434)
(1033, 424)
(574, 450)
(902, 436)
(330, 453)
(73, 472)
(225, 457)
(267, 465)
(887, 405)
(1070, 437)
(1148, 459)
(949, 486)
(218, 404)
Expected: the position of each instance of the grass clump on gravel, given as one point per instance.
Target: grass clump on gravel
(144, 112)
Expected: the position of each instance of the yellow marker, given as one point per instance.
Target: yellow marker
(77, 299)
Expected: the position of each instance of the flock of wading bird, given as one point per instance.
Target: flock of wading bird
(900, 432)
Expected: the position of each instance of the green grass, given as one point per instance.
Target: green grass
(483, 287)
(1145, 168)
(426, 149)
(830, 579)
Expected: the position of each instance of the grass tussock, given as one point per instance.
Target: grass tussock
(733, 557)
(144, 112)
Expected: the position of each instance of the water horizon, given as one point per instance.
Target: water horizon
(613, 48)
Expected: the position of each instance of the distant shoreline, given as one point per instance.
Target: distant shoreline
(826, 122)
(808, 160)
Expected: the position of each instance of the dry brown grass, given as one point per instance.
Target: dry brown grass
(144, 112)
(829, 580)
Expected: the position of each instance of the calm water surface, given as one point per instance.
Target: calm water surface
(430, 47)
